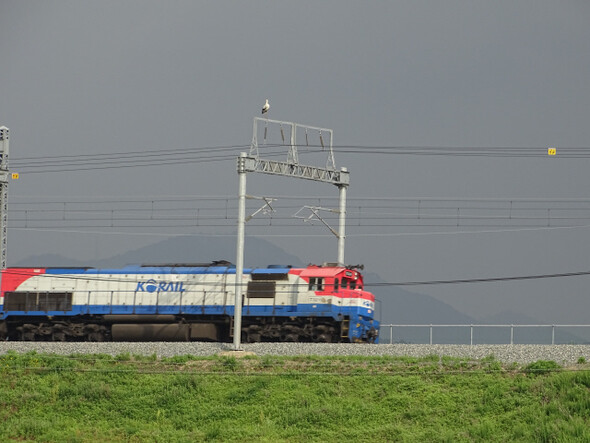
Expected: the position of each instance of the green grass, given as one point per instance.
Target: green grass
(130, 398)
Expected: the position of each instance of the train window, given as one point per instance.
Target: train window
(353, 284)
(38, 301)
(316, 284)
(336, 284)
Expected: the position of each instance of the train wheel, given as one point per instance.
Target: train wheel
(323, 334)
(96, 337)
(58, 336)
(253, 337)
(291, 338)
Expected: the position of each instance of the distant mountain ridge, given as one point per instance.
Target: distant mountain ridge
(399, 306)
(183, 249)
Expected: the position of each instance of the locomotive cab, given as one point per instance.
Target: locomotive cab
(348, 279)
(338, 291)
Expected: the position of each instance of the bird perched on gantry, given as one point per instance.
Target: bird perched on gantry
(266, 107)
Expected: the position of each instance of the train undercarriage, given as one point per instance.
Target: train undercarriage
(178, 328)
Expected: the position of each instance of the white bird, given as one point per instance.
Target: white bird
(266, 107)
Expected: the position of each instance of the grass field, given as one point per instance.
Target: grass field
(84, 398)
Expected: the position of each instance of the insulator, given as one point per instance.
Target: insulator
(322, 141)
(282, 134)
(265, 129)
(306, 140)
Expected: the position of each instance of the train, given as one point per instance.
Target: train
(187, 302)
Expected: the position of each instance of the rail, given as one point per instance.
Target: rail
(474, 327)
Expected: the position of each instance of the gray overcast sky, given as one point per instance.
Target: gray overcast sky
(87, 77)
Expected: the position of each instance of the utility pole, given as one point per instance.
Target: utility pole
(291, 168)
(4, 139)
(240, 250)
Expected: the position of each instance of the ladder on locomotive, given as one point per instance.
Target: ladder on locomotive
(345, 328)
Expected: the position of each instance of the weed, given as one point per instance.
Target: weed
(124, 356)
(542, 367)
(490, 364)
(230, 363)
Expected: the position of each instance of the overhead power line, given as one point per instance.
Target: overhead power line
(356, 149)
(479, 280)
(163, 157)
(495, 151)
(191, 231)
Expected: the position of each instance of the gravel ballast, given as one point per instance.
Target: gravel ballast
(562, 354)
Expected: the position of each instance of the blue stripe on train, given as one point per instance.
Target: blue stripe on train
(306, 310)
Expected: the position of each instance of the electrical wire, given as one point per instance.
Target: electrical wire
(368, 201)
(479, 280)
(116, 160)
(124, 154)
(135, 232)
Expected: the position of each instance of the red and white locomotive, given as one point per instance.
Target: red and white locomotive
(174, 302)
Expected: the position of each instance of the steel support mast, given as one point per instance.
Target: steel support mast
(4, 139)
(239, 297)
(291, 168)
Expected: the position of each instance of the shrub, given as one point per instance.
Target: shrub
(542, 367)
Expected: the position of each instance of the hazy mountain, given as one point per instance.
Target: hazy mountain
(509, 318)
(399, 306)
(49, 260)
(204, 249)
(184, 249)
(541, 335)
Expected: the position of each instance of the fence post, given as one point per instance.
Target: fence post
(391, 334)
(552, 334)
(470, 335)
(511, 334)
(430, 334)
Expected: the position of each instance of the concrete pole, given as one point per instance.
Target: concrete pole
(342, 213)
(240, 251)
